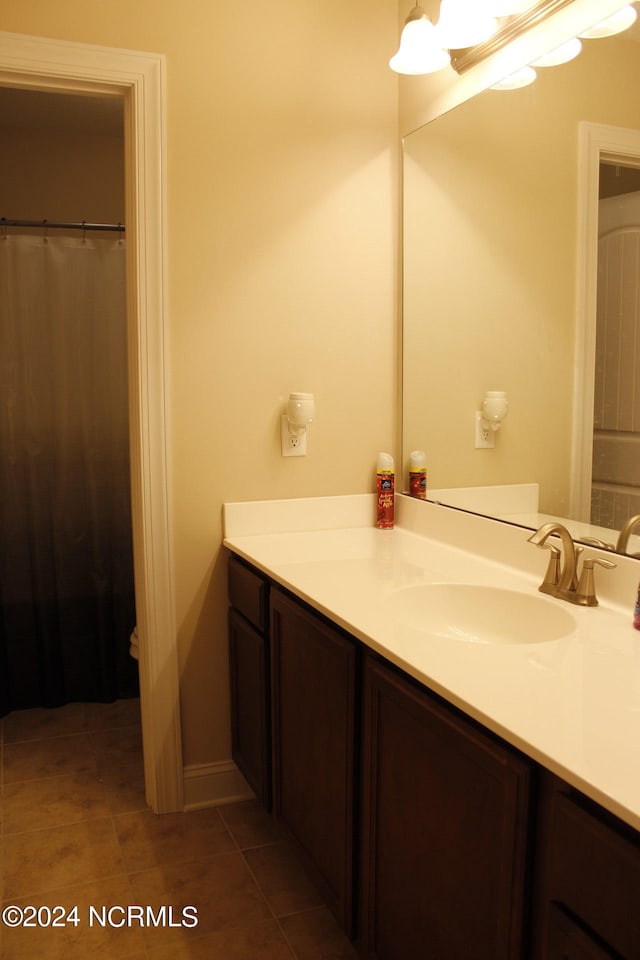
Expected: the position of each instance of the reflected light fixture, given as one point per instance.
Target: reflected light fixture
(562, 54)
(616, 23)
(463, 23)
(521, 78)
(420, 48)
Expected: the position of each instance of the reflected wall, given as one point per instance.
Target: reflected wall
(490, 237)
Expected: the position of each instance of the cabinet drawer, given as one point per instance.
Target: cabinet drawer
(250, 723)
(568, 941)
(248, 593)
(594, 871)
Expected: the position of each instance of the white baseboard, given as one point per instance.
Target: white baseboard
(212, 784)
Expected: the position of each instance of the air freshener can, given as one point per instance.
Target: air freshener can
(418, 475)
(385, 492)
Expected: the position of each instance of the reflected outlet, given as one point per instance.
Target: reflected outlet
(485, 438)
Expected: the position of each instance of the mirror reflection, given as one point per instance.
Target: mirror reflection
(492, 299)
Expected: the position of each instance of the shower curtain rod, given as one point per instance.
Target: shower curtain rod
(61, 225)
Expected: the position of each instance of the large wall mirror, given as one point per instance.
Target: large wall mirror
(493, 232)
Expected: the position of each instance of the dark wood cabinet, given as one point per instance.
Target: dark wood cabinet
(567, 940)
(445, 812)
(249, 677)
(313, 670)
(428, 835)
(587, 879)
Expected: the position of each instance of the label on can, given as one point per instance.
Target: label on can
(385, 483)
(418, 484)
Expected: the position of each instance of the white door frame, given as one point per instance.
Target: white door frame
(597, 142)
(139, 79)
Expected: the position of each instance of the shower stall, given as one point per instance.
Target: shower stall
(67, 604)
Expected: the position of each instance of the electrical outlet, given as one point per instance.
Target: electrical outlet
(293, 445)
(485, 437)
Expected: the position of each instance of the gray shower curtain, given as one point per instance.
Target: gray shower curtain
(66, 579)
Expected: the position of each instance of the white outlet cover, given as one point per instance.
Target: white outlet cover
(484, 439)
(292, 446)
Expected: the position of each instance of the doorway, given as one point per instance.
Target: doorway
(66, 565)
(137, 78)
(601, 148)
(616, 417)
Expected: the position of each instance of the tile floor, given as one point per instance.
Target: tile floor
(76, 832)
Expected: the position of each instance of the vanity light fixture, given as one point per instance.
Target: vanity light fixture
(301, 409)
(509, 8)
(463, 23)
(467, 31)
(618, 22)
(420, 49)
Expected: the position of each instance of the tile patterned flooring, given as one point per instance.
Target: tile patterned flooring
(76, 832)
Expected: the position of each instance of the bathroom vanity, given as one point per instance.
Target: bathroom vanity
(454, 796)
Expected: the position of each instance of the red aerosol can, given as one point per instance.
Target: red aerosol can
(385, 491)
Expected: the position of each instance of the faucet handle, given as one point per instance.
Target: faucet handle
(594, 542)
(574, 583)
(586, 589)
(552, 574)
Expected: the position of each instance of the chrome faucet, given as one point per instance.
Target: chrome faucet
(562, 580)
(625, 533)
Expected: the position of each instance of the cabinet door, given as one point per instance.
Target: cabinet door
(445, 808)
(587, 866)
(250, 721)
(313, 670)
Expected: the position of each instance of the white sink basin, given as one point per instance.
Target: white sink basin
(477, 614)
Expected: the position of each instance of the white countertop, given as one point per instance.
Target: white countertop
(572, 704)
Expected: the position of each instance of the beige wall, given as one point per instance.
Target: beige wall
(490, 283)
(282, 210)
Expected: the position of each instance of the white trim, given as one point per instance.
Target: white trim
(253, 517)
(139, 79)
(214, 784)
(596, 142)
